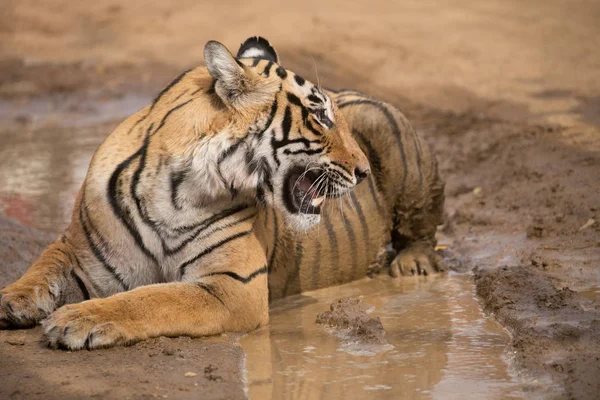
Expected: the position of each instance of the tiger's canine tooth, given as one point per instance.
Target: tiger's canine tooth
(316, 202)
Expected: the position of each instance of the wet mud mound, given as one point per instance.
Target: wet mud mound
(554, 333)
(351, 316)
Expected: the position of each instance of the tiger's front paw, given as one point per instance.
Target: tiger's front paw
(417, 259)
(24, 307)
(83, 326)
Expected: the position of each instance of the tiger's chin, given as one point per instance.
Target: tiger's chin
(303, 222)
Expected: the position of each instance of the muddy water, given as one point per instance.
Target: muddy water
(46, 146)
(441, 346)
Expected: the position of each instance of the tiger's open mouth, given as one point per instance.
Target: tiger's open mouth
(304, 191)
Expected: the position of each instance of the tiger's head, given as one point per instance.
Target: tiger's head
(297, 151)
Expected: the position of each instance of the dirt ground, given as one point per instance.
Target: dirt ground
(507, 93)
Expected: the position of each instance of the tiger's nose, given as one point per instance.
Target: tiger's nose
(361, 174)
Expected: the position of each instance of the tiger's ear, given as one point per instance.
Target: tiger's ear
(227, 71)
(258, 47)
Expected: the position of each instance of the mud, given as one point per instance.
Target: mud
(19, 246)
(555, 333)
(506, 92)
(351, 316)
(181, 368)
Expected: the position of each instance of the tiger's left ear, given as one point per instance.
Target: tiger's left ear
(227, 71)
(234, 83)
(258, 47)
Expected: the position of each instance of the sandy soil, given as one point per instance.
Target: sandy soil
(507, 92)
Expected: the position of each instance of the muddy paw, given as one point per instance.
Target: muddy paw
(77, 326)
(416, 260)
(25, 307)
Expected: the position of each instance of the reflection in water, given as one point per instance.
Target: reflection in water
(443, 346)
(44, 160)
(591, 293)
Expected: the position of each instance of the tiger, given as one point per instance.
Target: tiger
(237, 186)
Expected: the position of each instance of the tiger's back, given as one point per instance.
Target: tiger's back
(399, 204)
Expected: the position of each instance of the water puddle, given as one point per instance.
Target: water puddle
(442, 346)
(49, 142)
(72, 111)
(591, 293)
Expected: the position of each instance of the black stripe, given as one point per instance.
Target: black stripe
(275, 237)
(274, 147)
(373, 156)
(267, 176)
(374, 195)
(310, 126)
(125, 214)
(269, 120)
(84, 290)
(210, 290)
(164, 119)
(211, 89)
(363, 222)
(418, 161)
(333, 244)
(64, 253)
(240, 278)
(334, 178)
(299, 80)
(316, 270)
(255, 62)
(295, 100)
(210, 249)
(308, 152)
(179, 96)
(205, 223)
(262, 168)
(267, 70)
(122, 214)
(260, 194)
(138, 202)
(95, 249)
(298, 262)
(281, 72)
(395, 129)
(343, 169)
(286, 124)
(229, 152)
(78, 264)
(352, 239)
(169, 86)
(315, 99)
(176, 179)
(170, 252)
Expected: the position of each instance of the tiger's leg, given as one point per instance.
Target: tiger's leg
(234, 298)
(414, 235)
(53, 280)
